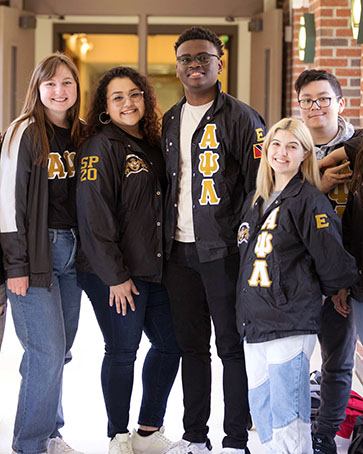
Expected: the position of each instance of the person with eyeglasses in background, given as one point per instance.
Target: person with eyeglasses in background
(321, 103)
(120, 187)
(212, 144)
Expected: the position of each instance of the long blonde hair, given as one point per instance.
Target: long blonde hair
(34, 108)
(309, 167)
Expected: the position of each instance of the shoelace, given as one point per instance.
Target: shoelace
(319, 446)
(161, 436)
(64, 445)
(124, 447)
(183, 447)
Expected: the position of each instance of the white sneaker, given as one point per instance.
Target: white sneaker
(233, 451)
(157, 443)
(187, 447)
(14, 452)
(120, 444)
(59, 446)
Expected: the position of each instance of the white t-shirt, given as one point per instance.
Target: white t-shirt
(189, 120)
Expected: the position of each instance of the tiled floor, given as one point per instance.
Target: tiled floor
(85, 427)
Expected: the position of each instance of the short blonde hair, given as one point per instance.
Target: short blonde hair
(309, 167)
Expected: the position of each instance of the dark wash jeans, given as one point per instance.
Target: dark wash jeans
(337, 341)
(122, 337)
(199, 292)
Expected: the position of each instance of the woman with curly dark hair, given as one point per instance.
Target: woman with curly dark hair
(121, 180)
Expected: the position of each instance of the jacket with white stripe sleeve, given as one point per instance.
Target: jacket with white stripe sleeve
(24, 208)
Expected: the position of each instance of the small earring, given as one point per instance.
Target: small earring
(104, 122)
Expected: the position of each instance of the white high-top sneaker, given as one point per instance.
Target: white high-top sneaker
(120, 444)
(59, 446)
(157, 443)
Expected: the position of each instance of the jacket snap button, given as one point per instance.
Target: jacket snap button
(158, 192)
(158, 224)
(158, 254)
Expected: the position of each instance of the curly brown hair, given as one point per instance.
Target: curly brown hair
(149, 124)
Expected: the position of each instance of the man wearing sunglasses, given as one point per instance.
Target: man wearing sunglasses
(321, 104)
(211, 142)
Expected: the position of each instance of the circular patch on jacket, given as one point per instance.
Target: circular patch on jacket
(134, 164)
(243, 233)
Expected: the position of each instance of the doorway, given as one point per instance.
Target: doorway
(97, 48)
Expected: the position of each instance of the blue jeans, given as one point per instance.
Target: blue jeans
(46, 322)
(122, 337)
(337, 339)
(279, 392)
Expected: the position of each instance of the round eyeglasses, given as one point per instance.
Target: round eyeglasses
(118, 100)
(322, 102)
(203, 58)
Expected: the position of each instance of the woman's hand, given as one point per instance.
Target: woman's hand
(340, 303)
(18, 285)
(121, 294)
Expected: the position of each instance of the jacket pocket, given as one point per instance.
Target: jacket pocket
(278, 286)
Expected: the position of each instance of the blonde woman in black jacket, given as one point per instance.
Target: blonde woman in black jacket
(291, 253)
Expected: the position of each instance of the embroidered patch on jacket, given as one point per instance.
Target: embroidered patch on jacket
(257, 150)
(321, 221)
(243, 233)
(134, 164)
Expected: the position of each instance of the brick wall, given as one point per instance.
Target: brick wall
(336, 52)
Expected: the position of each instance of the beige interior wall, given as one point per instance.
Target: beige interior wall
(44, 34)
(24, 39)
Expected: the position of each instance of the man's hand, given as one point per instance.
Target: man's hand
(340, 303)
(333, 176)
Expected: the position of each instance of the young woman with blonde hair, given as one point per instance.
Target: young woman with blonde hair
(291, 254)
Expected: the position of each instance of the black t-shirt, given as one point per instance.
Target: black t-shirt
(155, 159)
(61, 180)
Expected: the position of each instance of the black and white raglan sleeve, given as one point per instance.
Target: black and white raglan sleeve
(16, 163)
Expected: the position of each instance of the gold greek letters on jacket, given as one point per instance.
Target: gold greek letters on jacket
(56, 167)
(259, 275)
(209, 138)
(88, 172)
(263, 247)
(260, 135)
(321, 221)
(208, 165)
(270, 222)
(209, 194)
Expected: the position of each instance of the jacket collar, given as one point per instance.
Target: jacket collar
(217, 104)
(292, 188)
